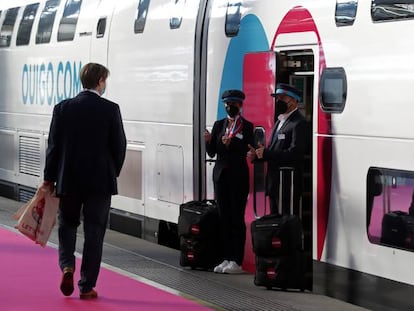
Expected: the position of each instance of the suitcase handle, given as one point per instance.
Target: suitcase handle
(283, 171)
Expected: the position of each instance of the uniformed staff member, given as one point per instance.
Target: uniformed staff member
(229, 140)
(286, 149)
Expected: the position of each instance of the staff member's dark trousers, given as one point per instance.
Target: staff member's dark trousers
(231, 195)
(95, 217)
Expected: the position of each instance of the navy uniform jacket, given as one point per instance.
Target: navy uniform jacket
(288, 150)
(86, 146)
(232, 157)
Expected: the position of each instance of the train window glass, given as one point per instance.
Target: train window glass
(345, 12)
(67, 26)
(390, 207)
(141, 17)
(8, 26)
(100, 28)
(386, 10)
(26, 24)
(47, 18)
(233, 18)
(177, 16)
(333, 90)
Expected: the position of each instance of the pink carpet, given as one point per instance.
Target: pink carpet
(29, 280)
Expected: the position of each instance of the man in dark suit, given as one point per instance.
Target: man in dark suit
(286, 149)
(85, 154)
(229, 140)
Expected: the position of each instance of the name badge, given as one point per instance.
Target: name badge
(239, 135)
(281, 136)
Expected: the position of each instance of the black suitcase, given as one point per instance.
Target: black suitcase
(198, 218)
(274, 235)
(398, 229)
(278, 245)
(199, 253)
(282, 272)
(199, 229)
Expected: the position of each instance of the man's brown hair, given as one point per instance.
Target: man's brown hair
(91, 74)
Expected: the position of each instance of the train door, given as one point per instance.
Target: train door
(100, 32)
(261, 72)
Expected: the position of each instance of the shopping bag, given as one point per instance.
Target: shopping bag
(48, 219)
(37, 218)
(39, 195)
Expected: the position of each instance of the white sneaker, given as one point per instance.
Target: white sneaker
(233, 268)
(220, 267)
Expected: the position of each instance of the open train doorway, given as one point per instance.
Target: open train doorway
(261, 73)
(297, 68)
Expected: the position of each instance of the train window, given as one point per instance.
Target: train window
(47, 18)
(100, 28)
(345, 12)
(67, 26)
(390, 207)
(177, 17)
(8, 26)
(26, 24)
(333, 90)
(141, 17)
(386, 10)
(233, 18)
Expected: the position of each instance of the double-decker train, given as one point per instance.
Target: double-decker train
(170, 60)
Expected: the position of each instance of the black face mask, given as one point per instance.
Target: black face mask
(232, 111)
(280, 107)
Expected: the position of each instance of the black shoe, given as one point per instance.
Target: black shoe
(66, 284)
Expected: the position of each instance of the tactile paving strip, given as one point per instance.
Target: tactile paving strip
(215, 293)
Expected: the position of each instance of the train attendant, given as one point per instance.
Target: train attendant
(229, 140)
(286, 149)
(85, 154)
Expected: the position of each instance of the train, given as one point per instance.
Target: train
(170, 61)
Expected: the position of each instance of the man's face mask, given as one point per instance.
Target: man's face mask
(102, 84)
(102, 91)
(232, 110)
(280, 107)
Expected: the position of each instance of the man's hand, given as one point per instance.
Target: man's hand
(251, 154)
(207, 136)
(47, 186)
(226, 140)
(260, 150)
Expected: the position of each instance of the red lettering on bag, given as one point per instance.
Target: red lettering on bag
(190, 256)
(28, 227)
(195, 229)
(271, 273)
(276, 242)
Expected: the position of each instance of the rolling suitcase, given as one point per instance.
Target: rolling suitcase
(198, 218)
(274, 235)
(284, 272)
(198, 229)
(278, 245)
(199, 253)
(398, 229)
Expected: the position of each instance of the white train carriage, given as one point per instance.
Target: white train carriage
(169, 63)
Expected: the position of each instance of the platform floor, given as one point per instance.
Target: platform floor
(159, 266)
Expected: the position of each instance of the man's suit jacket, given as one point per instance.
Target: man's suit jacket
(86, 146)
(288, 150)
(232, 157)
